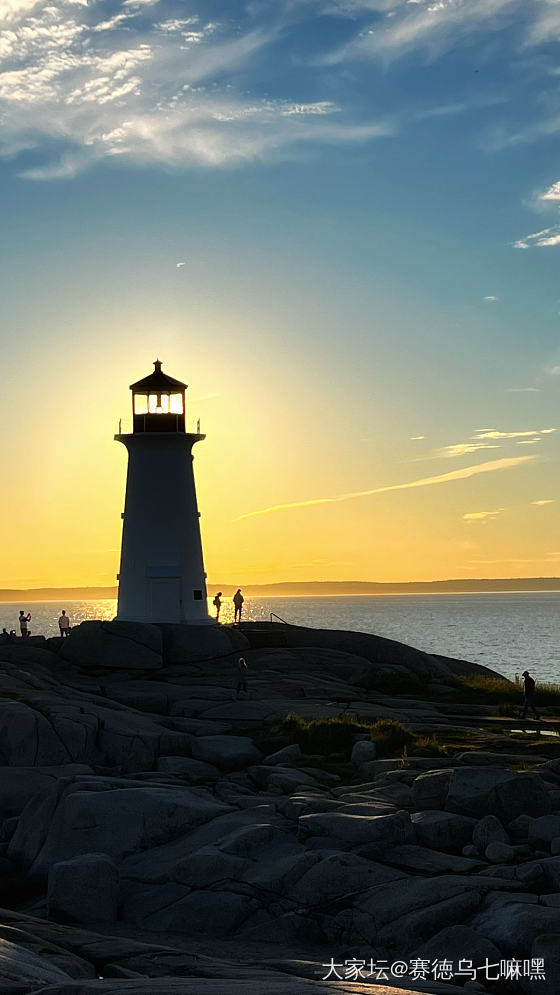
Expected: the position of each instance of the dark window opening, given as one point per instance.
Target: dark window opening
(197, 595)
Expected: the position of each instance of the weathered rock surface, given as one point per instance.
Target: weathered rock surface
(84, 889)
(134, 801)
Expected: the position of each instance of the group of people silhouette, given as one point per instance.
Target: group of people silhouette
(237, 599)
(24, 620)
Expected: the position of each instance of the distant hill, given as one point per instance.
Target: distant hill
(317, 588)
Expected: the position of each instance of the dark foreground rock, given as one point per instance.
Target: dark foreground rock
(148, 845)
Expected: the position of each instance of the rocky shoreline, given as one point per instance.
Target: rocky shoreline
(150, 842)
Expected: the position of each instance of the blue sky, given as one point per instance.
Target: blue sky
(343, 214)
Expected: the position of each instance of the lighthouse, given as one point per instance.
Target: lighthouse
(161, 577)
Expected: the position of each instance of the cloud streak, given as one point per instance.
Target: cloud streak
(134, 88)
(482, 517)
(544, 239)
(463, 474)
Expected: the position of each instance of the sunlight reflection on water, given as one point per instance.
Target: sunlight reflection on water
(508, 632)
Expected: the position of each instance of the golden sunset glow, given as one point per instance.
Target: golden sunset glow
(292, 485)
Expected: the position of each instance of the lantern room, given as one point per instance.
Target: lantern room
(158, 403)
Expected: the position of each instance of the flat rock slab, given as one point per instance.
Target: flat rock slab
(227, 752)
(85, 817)
(420, 859)
(477, 792)
(114, 645)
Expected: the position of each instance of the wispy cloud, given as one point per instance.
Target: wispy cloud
(496, 434)
(543, 501)
(181, 264)
(462, 474)
(463, 449)
(490, 438)
(552, 194)
(482, 517)
(145, 90)
(433, 27)
(417, 438)
(522, 390)
(540, 239)
(491, 299)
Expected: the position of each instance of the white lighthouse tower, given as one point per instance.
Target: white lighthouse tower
(161, 576)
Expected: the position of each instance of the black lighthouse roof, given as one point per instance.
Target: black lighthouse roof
(157, 382)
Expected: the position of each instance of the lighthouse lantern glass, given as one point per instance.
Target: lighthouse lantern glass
(140, 404)
(158, 404)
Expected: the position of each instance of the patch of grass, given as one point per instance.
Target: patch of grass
(482, 690)
(506, 711)
(390, 736)
(328, 736)
(431, 746)
(324, 735)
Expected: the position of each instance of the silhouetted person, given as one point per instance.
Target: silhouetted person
(238, 600)
(242, 671)
(64, 624)
(6, 637)
(23, 623)
(528, 691)
(218, 604)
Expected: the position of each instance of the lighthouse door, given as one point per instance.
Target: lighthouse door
(165, 594)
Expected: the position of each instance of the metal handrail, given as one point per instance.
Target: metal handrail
(274, 615)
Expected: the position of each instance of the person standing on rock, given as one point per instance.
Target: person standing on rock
(242, 671)
(218, 604)
(64, 624)
(528, 691)
(238, 600)
(23, 623)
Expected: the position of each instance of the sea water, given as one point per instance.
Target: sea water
(507, 632)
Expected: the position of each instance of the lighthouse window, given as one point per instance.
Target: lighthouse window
(176, 404)
(158, 404)
(197, 595)
(140, 404)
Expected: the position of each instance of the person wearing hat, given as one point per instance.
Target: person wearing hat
(528, 691)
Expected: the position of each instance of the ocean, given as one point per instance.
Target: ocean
(507, 632)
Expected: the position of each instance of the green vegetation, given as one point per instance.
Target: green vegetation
(328, 736)
(475, 689)
(482, 690)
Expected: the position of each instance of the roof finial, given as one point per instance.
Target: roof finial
(157, 365)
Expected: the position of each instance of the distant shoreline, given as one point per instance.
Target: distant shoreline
(314, 589)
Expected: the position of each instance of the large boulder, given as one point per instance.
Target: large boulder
(381, 830)
(407, 912)
(339, 875)
(196, 643)
(442, 830)
(429, 790)
(499, 853)
(83, 889)
(18, 785)
(105, 816)
(544, 829)
(363, 751)
(227, 752)
(284, 756)
(27, 738)
(488, 830)
(455, 943)
(496, 791)
(114, 646)
(512, 926)
(24, 967)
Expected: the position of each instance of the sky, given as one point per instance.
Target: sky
(339, 222)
